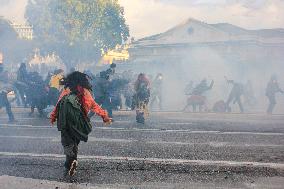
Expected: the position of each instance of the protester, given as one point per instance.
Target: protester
(141, 97)
(5, 88)
(71, 111)
(271, 90)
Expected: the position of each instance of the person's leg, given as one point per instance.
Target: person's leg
(153, 99)
(6, 103)
(230, 99)
(240, 104)
(272, 103)
(160, 101)
(70, 146)
(32, 108)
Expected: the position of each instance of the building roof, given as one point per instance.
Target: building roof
(195, 31)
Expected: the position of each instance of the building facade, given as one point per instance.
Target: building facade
(24, 31)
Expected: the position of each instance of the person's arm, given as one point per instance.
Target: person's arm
(94, 107)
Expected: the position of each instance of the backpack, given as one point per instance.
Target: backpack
(70, 118)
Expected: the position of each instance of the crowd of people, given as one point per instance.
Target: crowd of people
(71, 99)
(107, 87)
(114, 91)
(239, 92)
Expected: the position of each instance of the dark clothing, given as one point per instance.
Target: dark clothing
(70, 147)
(4, 102)
(36, 93)
(235, 95)
(53, 95)
(5, 87)
(271, 90)
(71, 119)
(21, 84)
(74, 126)
(102, 94)
(141, 99)
(202, 87)
(22, 75)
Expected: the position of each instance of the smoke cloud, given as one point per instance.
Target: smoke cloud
(13, 10)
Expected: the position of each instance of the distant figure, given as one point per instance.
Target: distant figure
(37, 93)
(156, 93)
(196, 98)
(21, 83)
(235, 95)
(102, 93)
(5, 88)
(271, 90)
(111, 71)
(141, 97)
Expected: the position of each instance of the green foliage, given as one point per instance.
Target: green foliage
(78, 29)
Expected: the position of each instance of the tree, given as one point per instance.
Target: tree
(77, 29)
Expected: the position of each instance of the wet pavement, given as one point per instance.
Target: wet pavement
(173, 150)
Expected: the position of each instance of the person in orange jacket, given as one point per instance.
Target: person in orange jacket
(77, 95)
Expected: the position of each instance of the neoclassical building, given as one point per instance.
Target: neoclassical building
(193, 40)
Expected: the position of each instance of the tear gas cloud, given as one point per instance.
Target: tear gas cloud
(197, 64)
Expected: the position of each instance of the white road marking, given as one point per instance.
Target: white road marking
(28, 137)
(152, 160)
(12, 126)
(156, 142)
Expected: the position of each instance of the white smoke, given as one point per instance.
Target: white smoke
(13, 10)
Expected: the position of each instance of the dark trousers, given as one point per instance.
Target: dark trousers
(158, 99)
(235, 98)
(105, 103)
(272, 103)
(4, 102)
(53, 96)
(70, 147)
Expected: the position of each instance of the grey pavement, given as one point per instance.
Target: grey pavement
(173, 150)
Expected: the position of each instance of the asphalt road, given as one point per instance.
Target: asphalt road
(172, 150)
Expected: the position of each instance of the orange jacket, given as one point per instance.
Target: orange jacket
(89, 105)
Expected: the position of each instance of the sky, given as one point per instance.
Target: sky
(148, 17)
